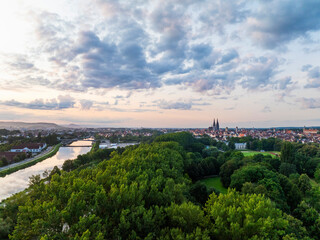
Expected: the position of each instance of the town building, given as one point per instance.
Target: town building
(215, 126)
(29, 147)
(240, 146)
(310, 131)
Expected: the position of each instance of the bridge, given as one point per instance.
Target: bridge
(68, 142)
(78, 146)
(77, 139)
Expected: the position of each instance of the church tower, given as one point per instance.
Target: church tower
(217, 125)
(214, 125)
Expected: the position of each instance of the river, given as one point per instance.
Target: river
(18, 181)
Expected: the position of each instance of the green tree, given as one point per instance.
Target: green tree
(6, 227)
(16, 158)
(287, 169)
(231, 145)
(185, 139)
(304, 183)
(250, 173)
(310, 218)
(4, 161)
(291, 191)
(311, 166)
(199, 192)
(245, 216)
(186, 217)
(39, 137)
(317, 174)
(68, 165)
(227, 170)
(287, 152)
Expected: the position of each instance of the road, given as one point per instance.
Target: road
(27, 160)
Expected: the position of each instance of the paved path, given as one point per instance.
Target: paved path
(27, 160)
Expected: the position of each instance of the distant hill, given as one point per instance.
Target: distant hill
(29, 126)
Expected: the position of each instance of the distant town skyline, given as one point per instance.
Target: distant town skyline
(161, 63)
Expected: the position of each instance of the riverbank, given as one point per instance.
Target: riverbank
(31, 162)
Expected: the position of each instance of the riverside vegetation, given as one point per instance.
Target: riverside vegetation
(152, 191)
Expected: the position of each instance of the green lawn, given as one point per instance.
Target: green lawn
(252, 153)
(215, 183)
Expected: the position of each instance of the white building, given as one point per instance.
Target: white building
(240, 146)
(29, 147)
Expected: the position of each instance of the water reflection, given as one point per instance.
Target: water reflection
(19, 180)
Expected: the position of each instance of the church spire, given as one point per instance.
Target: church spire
(217, 125)
(214, 125)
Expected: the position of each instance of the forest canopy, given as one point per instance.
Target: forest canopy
(151, 191)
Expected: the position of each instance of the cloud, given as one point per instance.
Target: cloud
(283, 83)
(200, 51)
(259, 72)
(230, 55)
(90, 61)
(217, 14)
(86, 104)
(150, 44)
(62, 102)
(20, 62)
(310, 103)
(276, 23)
(13, 115)
(163, 104)
(313, 74)
(89, 120)
(107, 65)
(123, 97)
(306, 67)
(180, 104)
(54, 33)
(266, 109)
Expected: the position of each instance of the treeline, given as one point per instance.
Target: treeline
(151, 191)
(269, 144)
(18, 158)
(6, 132)
(141, 138)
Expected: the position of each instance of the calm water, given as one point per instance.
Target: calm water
(19, 180)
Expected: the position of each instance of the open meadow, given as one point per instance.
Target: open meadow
(249, 153)
(215, 183)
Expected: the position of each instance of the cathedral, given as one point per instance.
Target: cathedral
(215, 126)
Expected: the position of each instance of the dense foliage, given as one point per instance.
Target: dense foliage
(151, 191)
(139, 136)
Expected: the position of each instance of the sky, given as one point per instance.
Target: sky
(161, 63)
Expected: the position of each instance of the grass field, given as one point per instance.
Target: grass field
(252, 153)
(215, 183)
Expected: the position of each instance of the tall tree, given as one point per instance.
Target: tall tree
(287, 152)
